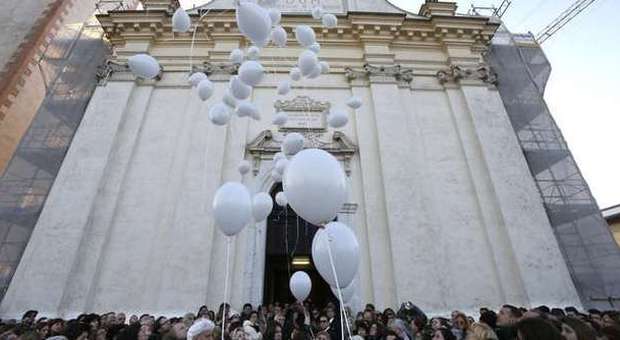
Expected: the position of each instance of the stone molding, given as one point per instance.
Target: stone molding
(440, 30)
(380, 73)
(456, 73)
(268, 143)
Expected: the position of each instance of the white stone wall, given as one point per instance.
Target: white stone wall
(448, 215)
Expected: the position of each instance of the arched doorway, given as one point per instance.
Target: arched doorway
(287, 250)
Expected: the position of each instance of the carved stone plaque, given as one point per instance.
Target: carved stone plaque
(312, 120)
(303, 6)
(304, 113)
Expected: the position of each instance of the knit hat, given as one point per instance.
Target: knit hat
(200, 326)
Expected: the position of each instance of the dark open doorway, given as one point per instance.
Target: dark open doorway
(288, 249)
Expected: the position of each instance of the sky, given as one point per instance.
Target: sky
(581, 93)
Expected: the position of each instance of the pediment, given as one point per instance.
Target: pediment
(268, 143)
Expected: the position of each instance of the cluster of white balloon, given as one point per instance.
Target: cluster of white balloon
(313, 180)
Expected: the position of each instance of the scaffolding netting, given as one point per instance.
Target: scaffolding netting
(589, 249)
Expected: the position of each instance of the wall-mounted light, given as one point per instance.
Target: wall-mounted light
(301, 261)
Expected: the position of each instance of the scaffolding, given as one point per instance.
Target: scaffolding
(489, 11)
(592, 255)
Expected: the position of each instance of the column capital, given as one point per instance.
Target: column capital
(456, 73)
(381, 73)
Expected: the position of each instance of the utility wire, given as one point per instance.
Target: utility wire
(564, 18)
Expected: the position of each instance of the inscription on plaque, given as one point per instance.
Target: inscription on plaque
(300, 120)
(301, 6)
(304, 113)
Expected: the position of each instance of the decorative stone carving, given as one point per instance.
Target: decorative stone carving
(456, 73)
(301, 103)
(404, 74)
(210, 68)
(266, 144)
(109, 67)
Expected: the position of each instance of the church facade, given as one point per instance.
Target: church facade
(440, 197)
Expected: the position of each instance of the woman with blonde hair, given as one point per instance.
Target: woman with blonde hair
(481, 331)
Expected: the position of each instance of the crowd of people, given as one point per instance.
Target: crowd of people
(305, 322)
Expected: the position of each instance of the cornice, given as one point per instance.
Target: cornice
(155, 25)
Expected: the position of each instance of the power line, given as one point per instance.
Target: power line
(562, 20)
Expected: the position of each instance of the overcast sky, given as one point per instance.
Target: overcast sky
(583, 87)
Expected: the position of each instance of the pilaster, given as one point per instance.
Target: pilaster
(538, 258)
(67, 210)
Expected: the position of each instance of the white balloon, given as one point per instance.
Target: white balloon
(337, 119)
(345, 253)
(307, 62)
(354, 102)
(219, 114)
(315, 185)
(284, 87)
(196, 78)
(263, 43)
(232, 208)
(316, 72)
(305, 35)
(244, 167)
(276, 176)
(238, 89)
(229, 100)
(262, 204)
(317, 12)
(144, 66)
(281, 199)
(247, 109)
(281, 165)
(278, 156)
(347, 293)
(255, 114)
(236, 56)
(329, 20)
(251, 72)
(316, 47)
(181, 21)
(280, 119)
(205, 89)
(275, 15)
(295, 73)
(278, 36)
(254, 22)
(253, 53)
(324, 67)
(292, 143)
(300, 285)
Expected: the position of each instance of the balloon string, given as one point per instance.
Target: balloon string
(296, 237)
(346, 320)
(288, 259)
(191, 49)
(331, 262)
(310, 328)
(226, 285)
